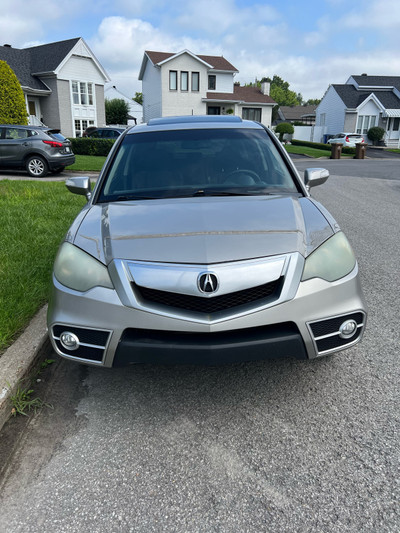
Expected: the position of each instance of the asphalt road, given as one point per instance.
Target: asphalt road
(276, 446)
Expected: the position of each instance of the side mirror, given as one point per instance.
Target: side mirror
(80, 185)
(315, 176)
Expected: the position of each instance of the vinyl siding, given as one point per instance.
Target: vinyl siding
(334, 109)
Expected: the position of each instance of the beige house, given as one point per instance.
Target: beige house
(187, 84)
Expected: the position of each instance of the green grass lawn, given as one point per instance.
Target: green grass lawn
(86, 163)
(34, 216)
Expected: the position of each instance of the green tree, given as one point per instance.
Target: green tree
(284, 127)
(138, 98)
(12, 101)
(313, 101)
(117, 111)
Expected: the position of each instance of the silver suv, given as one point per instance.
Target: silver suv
(37, 149)
(201, 243)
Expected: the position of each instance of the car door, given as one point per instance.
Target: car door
(14, 145)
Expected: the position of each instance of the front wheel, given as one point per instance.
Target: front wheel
(37, 167)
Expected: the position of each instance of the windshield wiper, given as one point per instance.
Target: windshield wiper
(124, 198)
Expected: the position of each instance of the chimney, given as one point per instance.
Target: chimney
(265, 86)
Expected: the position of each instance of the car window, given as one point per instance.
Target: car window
(16, 133)
(32, 133)
(173, 163)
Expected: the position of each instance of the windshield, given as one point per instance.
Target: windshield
(204, 162)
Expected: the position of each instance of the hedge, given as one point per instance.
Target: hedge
(91, 146)
(322, 146)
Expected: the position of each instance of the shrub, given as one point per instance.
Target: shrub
(284, 127)
(322, 146)
(89, 146)
(12, 101)
(117, 111)
(375, 134)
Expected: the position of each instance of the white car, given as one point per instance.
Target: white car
(347, 139)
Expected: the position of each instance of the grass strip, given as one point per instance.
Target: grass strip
(34, 217)
(88, 163)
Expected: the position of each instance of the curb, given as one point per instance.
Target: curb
(20, 359)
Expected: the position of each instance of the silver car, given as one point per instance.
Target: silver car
(201, 244)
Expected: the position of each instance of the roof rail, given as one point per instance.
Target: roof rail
(190, 119)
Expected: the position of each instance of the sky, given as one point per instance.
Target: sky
(309, 43)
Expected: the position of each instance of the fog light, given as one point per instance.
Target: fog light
(69, 340)
(348, 329)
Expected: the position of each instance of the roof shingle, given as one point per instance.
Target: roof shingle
(217, 62)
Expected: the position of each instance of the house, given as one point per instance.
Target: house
(135, 109)
(63, 84)
(297, 113)
(359, 104)
(187, 84)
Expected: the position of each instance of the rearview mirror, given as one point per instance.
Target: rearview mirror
(315, 176)
(80, 185)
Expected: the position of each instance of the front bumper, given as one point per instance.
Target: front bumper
(112, 334)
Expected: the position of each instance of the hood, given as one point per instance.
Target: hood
(202, 230)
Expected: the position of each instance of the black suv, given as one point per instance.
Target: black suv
(104, 133)
(37, 149)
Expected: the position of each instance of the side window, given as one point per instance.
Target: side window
(2, 130)
(32, 133)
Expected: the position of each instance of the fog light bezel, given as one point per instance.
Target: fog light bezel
(346, 323)
(70, 348)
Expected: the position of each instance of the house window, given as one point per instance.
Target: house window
(365, 122)
(173, 80)
(81, 125)
(396, 124)
(322, 119)
(252, 113)
(212, 82)
(82, 93)
(184, 81)
(75, 92)
(195, 81)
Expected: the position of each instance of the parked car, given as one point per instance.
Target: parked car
(105, 133)
(200, 243)
(37, 149)
(347, 139)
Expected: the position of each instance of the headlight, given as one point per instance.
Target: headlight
(333, 260)
(78, 270)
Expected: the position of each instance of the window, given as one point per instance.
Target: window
(173, 80)
(322, 119)
(184, 81)
(81, 125)
(75, 93)
(251, 113)
(195, 81)
(82, 93)
(365, 122)
(395, 124)
(212, 82)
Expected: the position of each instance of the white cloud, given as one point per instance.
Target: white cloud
(379, 14)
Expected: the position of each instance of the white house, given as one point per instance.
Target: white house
(63, 84)
(359, 104)
(135, 109)
(187, 84)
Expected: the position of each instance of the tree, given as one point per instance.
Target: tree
(284, 127)
(117, 111)
(375, 134)
(138, 98)
(12, 100)
(312, 101)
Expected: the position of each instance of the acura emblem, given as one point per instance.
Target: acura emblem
(207, 282)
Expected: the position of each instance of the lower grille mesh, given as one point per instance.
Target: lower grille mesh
(267, 292)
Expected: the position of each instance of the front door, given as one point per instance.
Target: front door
(393, 129)
(213, 110)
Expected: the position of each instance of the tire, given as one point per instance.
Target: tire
(37, 166)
